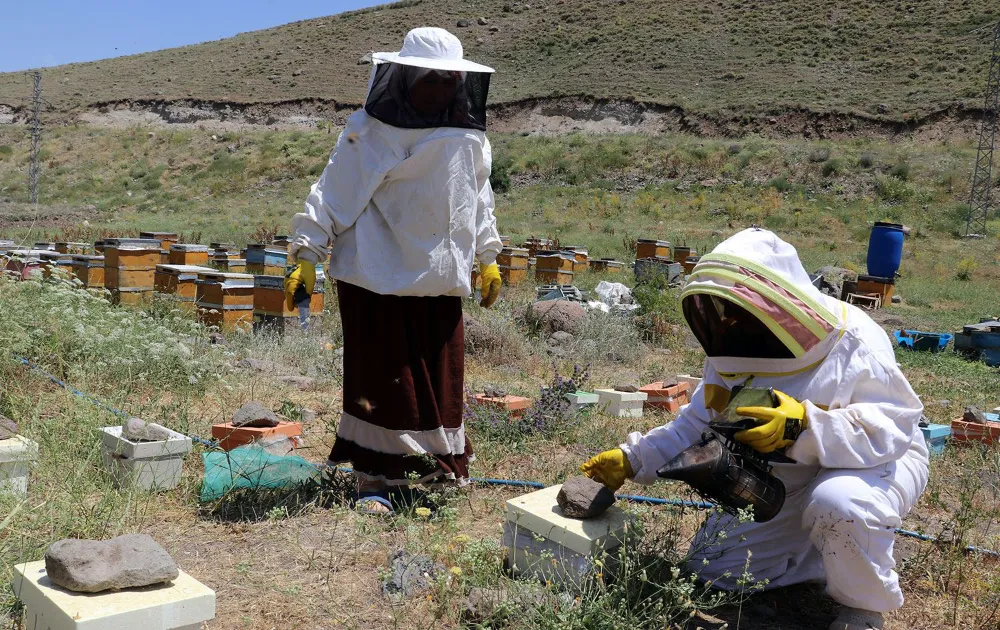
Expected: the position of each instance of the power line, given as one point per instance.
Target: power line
(982, 176)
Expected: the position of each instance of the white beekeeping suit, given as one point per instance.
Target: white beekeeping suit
(861, 463)
(405, 203)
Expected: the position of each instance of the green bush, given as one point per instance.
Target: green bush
(832, 167)
(500, 176)
(900, 171)
(6, 151)
(892, 189)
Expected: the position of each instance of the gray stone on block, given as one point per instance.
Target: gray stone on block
(582, 497)
(138, 430)
(254, 414)
(92, 566)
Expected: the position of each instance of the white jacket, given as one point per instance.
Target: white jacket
(402, 211)
(860, 409)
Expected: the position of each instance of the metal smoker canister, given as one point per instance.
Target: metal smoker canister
(733, 479)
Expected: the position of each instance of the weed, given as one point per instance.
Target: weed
(965, 268)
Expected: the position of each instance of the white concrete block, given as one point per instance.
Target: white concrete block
(542, 542)
(16, 456)
(147, 465)
(621, 404)
(183, 605)
(582, 400)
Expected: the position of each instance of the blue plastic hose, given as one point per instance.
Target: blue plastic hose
(633, 498)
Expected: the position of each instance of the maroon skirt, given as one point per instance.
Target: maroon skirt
(404, 365)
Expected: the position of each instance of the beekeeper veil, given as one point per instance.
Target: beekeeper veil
(754, 309)
(428, 84)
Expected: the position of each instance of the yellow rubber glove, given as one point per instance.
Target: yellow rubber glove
(776, 428)
(490, 279)
(611, 468)
(302, 273)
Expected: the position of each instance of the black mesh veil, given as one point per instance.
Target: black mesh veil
(420, 98)
(726, 329)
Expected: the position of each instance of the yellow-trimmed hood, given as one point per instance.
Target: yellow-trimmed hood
(763, 275)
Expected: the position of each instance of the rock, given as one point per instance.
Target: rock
(479, 338)
(556, 315)
(897, 299)
(582, 497)
(493, 604)
(626, 387)
(216, 339)
(254, 414)
(409, 573)
(974, 414)
(883, 108)
(297, 73)
(463, 23)
(92, 566)
(304, 383)
(895, 322)
(944, 402)
(494, 29)
(833, 280)
(492, 391)
(138, 430)
(307, 416)
(482, 21)
(8, 428)
(708, 183)
(365, 59)
(560, 338)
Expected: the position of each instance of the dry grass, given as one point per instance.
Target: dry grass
(708, 56)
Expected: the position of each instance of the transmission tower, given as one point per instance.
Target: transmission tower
(982, 176)
(36, 135)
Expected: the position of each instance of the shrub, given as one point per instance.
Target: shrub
(500, 176)
(6, 151)
(965, 268)
(781, 184)
(819, 155)
(867, 160)
(900, 171)
(892, 189)
(832, 167)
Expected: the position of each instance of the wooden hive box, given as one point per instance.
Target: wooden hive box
(225, 300)
(185, 254)
(89, 270)
(50, 263)
(179, 281)
(132, 253)
(269, 297)
(652, 248)
(166, 239)
(513, 263)
(682, 252)
(66, 247)
(606, 265)
(266, 260)
(555, 261)
(45, 246)
(131, 297)
(550, 276)
(874, 285)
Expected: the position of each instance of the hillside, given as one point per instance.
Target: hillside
(894, 59)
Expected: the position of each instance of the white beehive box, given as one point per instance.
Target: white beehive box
(541, 541)
(621, 404)
(182, 605)
(16, 456)
(692, 381)
(581, 400)
(147, 465)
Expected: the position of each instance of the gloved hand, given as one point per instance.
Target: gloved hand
(490, 290)
(777, 427)
(611, 468)
(302, 274)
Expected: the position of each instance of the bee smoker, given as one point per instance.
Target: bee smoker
(729, 473)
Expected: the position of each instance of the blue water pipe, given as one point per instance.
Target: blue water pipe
(515, 483)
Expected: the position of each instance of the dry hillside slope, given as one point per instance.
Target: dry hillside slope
(894, 60)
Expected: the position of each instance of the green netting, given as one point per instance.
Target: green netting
(252, 467)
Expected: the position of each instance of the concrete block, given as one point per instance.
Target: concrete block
(182, 605)
(692, 381)
(515, 405)
(667, 398)
(147, 465)
(16, 456)
(621, 404)
(542, 542)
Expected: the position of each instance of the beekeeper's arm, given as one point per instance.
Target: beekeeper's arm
(488, 243)
(646, 453)
(871, 422)
(357, 166)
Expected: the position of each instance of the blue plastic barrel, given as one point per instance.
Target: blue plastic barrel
(885, 249)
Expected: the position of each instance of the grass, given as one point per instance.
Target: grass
(729, 57)
(305, 560)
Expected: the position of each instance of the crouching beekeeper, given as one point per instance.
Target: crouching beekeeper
(860, 460)
(403, 209)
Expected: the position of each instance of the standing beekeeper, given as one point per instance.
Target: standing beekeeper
(403, 209)
(860, 460)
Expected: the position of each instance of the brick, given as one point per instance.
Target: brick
(515, 405)
(231, 437)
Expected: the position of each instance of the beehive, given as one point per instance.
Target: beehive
(269, 302)
(682, 252)
(23, 263)
(554, 267)
(45, 246)
(225, 300)
(883, 287)
(606, 265)
(513, 263)
(166, 239)
(690, 262)
(179, 282)
(55, 264)
(581, 257)
(651, 248)
(505, 240)
(89, 270)
(281, 242)
(131, 252)
(184, 254)
(535, 245)
(266, 260)
(99, 247)
(66, 247)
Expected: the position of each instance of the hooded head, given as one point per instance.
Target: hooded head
(428, 83)
(754, 309)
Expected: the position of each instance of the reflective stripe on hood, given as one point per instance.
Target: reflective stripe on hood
(761, 273)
